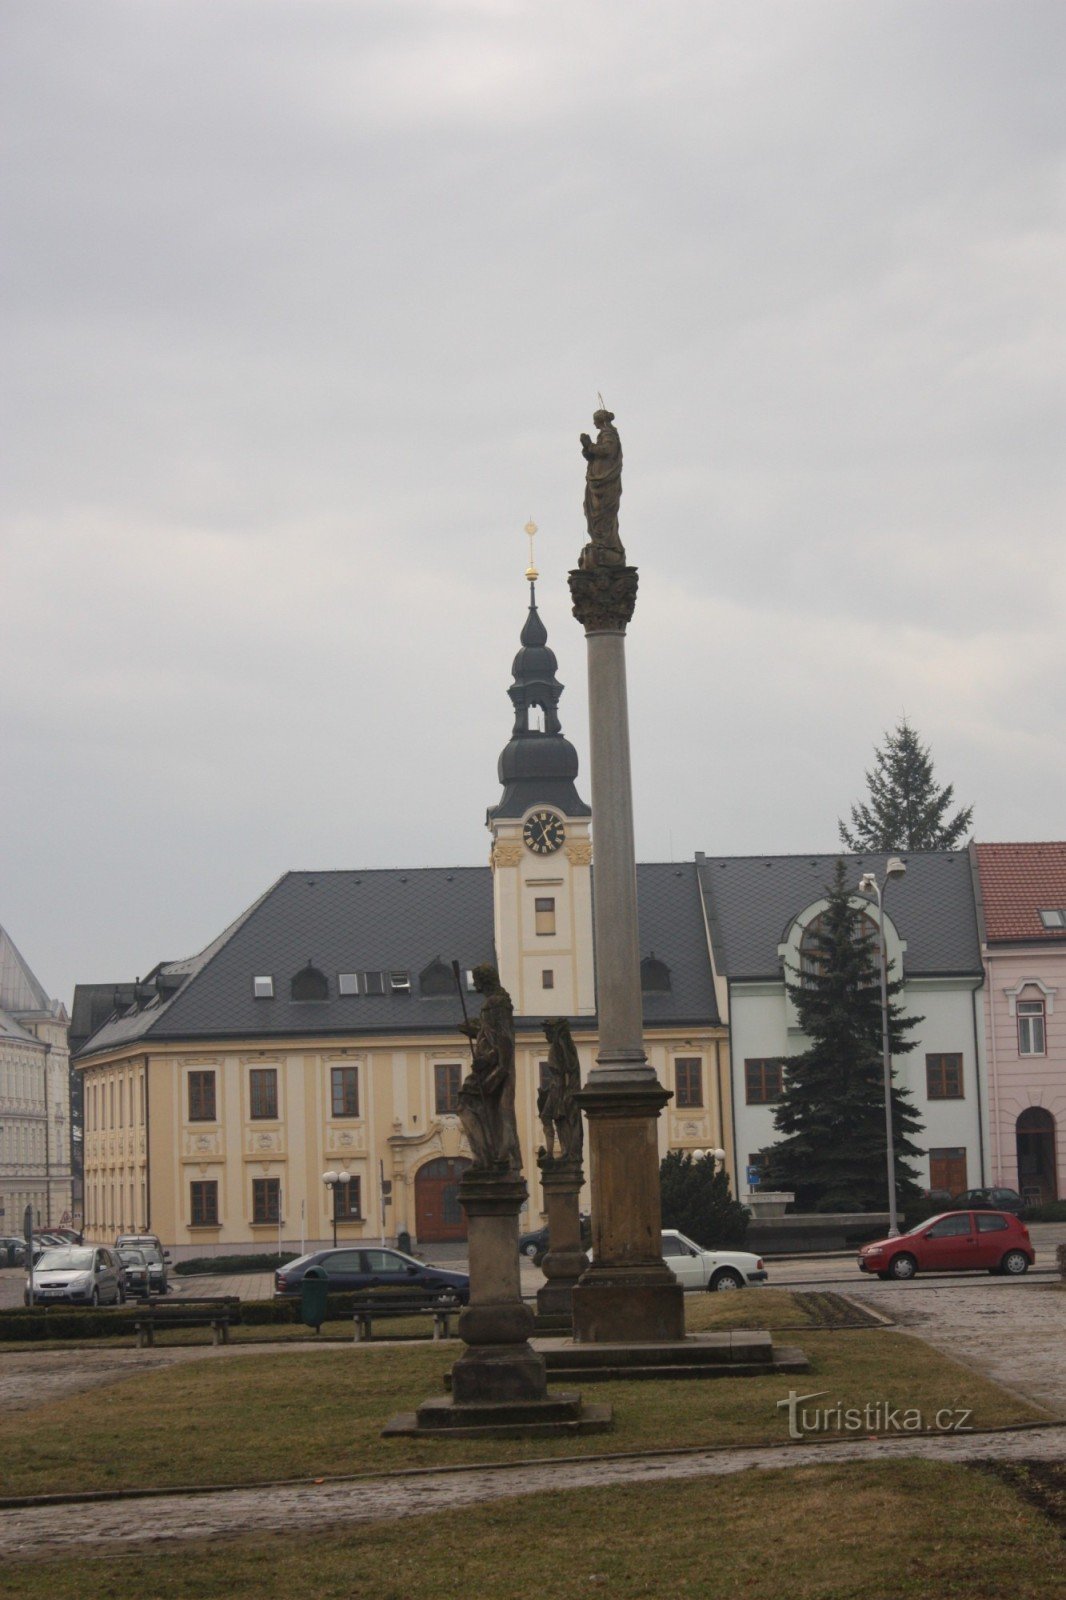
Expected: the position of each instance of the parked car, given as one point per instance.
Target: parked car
(66, 1233)
(12, 1250)
(956, 1241)
(134, 1271)
(82, 1274)
(48, 1241)
(535, 1245)
(696, 1268)
(989, 1200)
(348, 1268)
(530, 1243)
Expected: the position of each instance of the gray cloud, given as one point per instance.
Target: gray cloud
(307, 305)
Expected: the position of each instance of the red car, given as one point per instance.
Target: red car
(956, 1241)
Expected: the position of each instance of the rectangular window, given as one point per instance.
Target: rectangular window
(373, 983)
(263, 1093)
(347, 983)
(544, 914)
(266, 1199)
(688, 1081)
(447, 1076)
(1031, 1028)
(547, 979)
(346, 1201)
(943, 1077)
(1053, 919)
(764, 1080)
(204, 1197)
(345, 1085)
(121, 1103)
(201, 1097)
(400, 982)
(263, 987)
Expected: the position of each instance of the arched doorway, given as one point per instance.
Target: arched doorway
(438, 1214)
(1037, 1177)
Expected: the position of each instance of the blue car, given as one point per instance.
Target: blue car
(371, 1267)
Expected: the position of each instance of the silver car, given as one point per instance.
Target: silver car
(83, 1274)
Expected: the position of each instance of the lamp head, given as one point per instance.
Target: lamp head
(329, 1177)
(895, 868)
(344, 1177)
(867, 883)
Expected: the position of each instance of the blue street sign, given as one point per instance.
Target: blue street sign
(753, 1177)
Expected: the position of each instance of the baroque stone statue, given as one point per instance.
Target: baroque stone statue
(559, 1112)
(603, 491)
(487, 1094)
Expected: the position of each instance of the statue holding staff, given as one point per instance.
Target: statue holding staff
(487, 1094)
(559, 1112)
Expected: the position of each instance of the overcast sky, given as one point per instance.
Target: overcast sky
(306, 306)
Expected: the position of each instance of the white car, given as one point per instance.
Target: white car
(710, 1269)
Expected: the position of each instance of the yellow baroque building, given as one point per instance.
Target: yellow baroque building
(317, 1034)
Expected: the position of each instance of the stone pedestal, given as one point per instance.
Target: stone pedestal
(628, 1293)
(498, 1363)
(566, 1259)
(499, 1386)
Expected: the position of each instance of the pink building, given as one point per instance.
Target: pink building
(1021, 899)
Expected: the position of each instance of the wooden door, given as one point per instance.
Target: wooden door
(438, 1215)
(947, 1169)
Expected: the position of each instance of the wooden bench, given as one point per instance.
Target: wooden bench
(216, 1314)
(366, 1310)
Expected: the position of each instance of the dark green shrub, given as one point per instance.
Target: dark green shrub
(1053, 1211)
(696, 1200)
(227, 1264)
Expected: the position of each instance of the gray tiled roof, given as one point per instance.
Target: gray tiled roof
(752, 900)
(387, 920)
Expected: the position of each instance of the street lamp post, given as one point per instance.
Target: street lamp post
(868, 884)
(331, 1180)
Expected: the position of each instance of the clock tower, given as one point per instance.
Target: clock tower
(541, 849)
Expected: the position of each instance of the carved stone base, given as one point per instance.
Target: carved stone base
(604, 597)
(565, 1260)
(628, 1293)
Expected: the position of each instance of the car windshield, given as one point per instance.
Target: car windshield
(133, 1258)
(65, 1261)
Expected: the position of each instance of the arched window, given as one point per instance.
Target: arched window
(812, 957)
(309, 984)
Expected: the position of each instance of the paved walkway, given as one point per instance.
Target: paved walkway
(51, 1532)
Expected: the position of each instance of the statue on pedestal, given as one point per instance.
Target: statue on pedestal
(557, 1107)
(487, 1094)
(603, 491)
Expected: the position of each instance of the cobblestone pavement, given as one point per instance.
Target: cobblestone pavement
(53, 1532)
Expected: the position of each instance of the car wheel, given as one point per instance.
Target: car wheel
(1014, 1263)
(448, 1297)
(903, 1266)
(530, 1251)
(726, 1279)
(120, 1298)
(94, 1298)
(884, 1276)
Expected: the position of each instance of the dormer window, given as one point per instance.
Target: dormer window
(436, 979)
(263, 987)
(654, 975)
(309, 984)
(1054, 919)
(399, 983)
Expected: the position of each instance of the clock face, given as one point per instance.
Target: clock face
(544, 832)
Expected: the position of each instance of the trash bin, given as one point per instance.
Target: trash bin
(403, 1241)
(314, 1288)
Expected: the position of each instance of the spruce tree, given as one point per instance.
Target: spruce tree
(907, 810)
(697, 1201)
(832, 1110)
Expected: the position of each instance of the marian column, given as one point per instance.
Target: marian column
(628, 1293)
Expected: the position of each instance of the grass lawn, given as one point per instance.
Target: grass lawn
(252, 1418)
(906, 1529)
